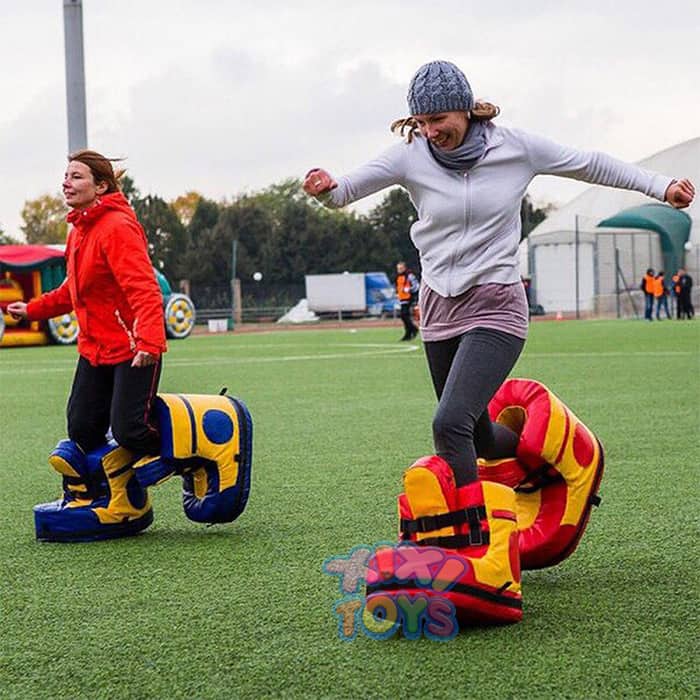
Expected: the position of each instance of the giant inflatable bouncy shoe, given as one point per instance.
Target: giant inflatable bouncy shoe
(207, 440)
(467, 545)
(459, 544)
(101, 498)
(555, 474)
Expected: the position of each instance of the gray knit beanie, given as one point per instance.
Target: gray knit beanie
(439, 86)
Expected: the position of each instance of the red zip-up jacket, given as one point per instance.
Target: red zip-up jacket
(110, 284)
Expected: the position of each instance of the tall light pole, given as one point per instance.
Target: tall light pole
(75, 74)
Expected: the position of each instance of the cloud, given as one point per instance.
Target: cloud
(33, 153)
(226, 97)
(236, 122)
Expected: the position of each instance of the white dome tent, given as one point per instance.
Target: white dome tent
(568, 253)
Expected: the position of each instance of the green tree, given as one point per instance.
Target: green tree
(167, 237)
(392, 219)
(209, 256)
(531, 216)
(204, 218)
(45, 219)
(200, 242)
(5, 239)
(129, 189)
(305, 238)
(281, 233)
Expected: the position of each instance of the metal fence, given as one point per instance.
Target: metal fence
(251, 302)
(597, 272)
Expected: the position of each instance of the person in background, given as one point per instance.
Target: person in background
(407, 293)
(661, 295)
(111, 286)
(675, 295)
(647, 286)
(466, 178)
(684, 288)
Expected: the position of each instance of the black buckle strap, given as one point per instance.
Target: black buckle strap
(472, 516)
(481, 537)
(476, 534)
(83, 487)
(429, 523)
(539, 478)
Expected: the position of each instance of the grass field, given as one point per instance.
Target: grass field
(245, 610)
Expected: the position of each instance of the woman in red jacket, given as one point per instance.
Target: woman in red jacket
(111, 286)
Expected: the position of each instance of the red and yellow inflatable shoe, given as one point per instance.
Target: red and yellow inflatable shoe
(556, 472)
(459, 544)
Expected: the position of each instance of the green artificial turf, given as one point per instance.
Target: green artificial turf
(245, 609)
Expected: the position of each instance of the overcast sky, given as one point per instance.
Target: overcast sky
(227, 96)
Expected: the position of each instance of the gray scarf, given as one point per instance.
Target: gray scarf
(465, 156)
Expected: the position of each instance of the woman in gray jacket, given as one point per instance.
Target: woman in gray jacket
(467, 177)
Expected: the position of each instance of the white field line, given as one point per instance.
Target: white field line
(223, 360)
(14, 355)
(613, 353)
(381, 350)
(291, 358)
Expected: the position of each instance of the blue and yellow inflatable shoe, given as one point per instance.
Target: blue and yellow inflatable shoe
(208, 441)
(205, 439)
(101, 498)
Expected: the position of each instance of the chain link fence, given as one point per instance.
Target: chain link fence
(595, 272)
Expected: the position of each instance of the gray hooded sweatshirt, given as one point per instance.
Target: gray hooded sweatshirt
(468, 226)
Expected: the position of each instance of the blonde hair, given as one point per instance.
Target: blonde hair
(408, 127)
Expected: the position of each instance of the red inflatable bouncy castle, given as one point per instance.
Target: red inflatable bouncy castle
(555, 475)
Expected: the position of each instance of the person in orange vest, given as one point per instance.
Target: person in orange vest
(407, 293)
(647, 286)
(661, 295)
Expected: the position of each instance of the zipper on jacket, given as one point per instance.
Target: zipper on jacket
(465, 179)
(467, 204)
(120, 320)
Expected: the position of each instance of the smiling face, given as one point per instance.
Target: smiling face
(79, 187)
(445, 130)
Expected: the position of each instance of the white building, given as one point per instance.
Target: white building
(558, 266)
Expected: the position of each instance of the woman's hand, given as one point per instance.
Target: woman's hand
(17, 309)
(144, 359)
(318, 181)
(680, 194)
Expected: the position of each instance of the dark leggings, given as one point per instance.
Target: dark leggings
(117, 395)
(466, 372)
(410, 330)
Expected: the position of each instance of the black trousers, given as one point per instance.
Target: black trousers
(117, 395)
(466, 372)
(685, 305)
(409, 327)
